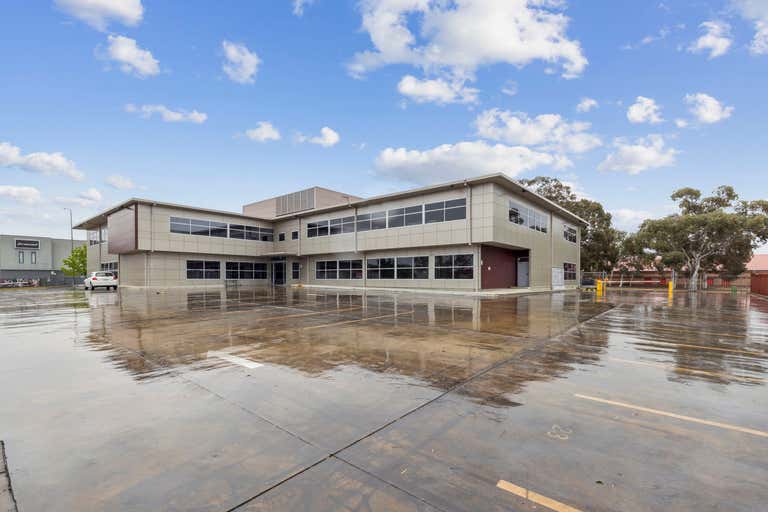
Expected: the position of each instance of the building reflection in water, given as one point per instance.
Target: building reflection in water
(441, 340)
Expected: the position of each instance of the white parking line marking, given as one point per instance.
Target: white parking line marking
(234, 359)
(676, 416)
(535, 497)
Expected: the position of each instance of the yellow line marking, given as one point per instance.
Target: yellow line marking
(535, 497)
(688, 370)
(358, 320)
(676, 416)
(704, 347)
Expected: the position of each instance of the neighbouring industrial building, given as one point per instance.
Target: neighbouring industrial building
(476, 234)
(37, 258)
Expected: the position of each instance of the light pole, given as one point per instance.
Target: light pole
(71, 241)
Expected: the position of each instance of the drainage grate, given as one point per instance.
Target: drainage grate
(7, 501)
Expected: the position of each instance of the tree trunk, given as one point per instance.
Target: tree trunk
(693, 282)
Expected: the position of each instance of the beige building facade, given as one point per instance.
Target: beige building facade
(471, 235)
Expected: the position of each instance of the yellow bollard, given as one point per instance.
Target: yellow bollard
(671, 288)
(599, 283)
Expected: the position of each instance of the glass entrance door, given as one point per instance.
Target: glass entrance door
(278, 273)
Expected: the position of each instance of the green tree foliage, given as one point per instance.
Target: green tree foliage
(76, 264)
(710, 234)
(600, 242)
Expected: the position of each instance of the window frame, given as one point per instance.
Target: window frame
(570, 233)
(413, 269)
(456, 271)
(570, 269)
(210, 269)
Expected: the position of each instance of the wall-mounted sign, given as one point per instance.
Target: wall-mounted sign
(27, 244)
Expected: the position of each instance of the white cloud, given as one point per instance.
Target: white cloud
(299, 5)
(438, 91)
(644, 110)
(510, 88)
(98, 13)
(459, 37)
(132, 59)
(628, 219)
(661, 35)
(457, 161)
(41, 163)
(168, 115)
(119, 182)
(240, 64)
(755, 11)
(87, 198)
(548, 131)
(716, 39)
(263, 132)
(327, 138)
(707, 109)
(645, 153)
(27, 195)
(586, 104)
(681, 123)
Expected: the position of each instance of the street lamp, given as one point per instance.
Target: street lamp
(71, 240)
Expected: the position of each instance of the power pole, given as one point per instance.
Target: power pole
(71, 241)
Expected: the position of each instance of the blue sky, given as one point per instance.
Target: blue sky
(218, 104)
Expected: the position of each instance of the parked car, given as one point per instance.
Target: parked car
(101, 280)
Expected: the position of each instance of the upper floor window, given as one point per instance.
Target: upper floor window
(342, 225)
(315, 229)
(569, 271)
(408, 216)
(294, 235)
(569, 233)
(524, 216)
(455, 209)
(21, 257)
(93, 237)
(201, 227)
(281, 237)
(33, 257)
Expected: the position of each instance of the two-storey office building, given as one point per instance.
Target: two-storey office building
(35, 258)
(482, 233)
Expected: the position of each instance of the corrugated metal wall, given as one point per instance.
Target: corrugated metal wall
(296, 202)
(760, 284)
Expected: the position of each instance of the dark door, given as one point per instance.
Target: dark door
(498, 267)
(278, 273)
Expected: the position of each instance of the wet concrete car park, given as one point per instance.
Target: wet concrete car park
(297, 399)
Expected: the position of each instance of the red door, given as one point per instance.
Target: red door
(499, 267)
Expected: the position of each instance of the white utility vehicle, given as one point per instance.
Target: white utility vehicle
(101, 280)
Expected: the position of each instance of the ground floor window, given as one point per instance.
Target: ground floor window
(202, 269)
(246, 270)
(381, 268)
(111, 266)
(569, 271)
(416, 267)
(295, 270)
(341, 269)
(457, 266)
